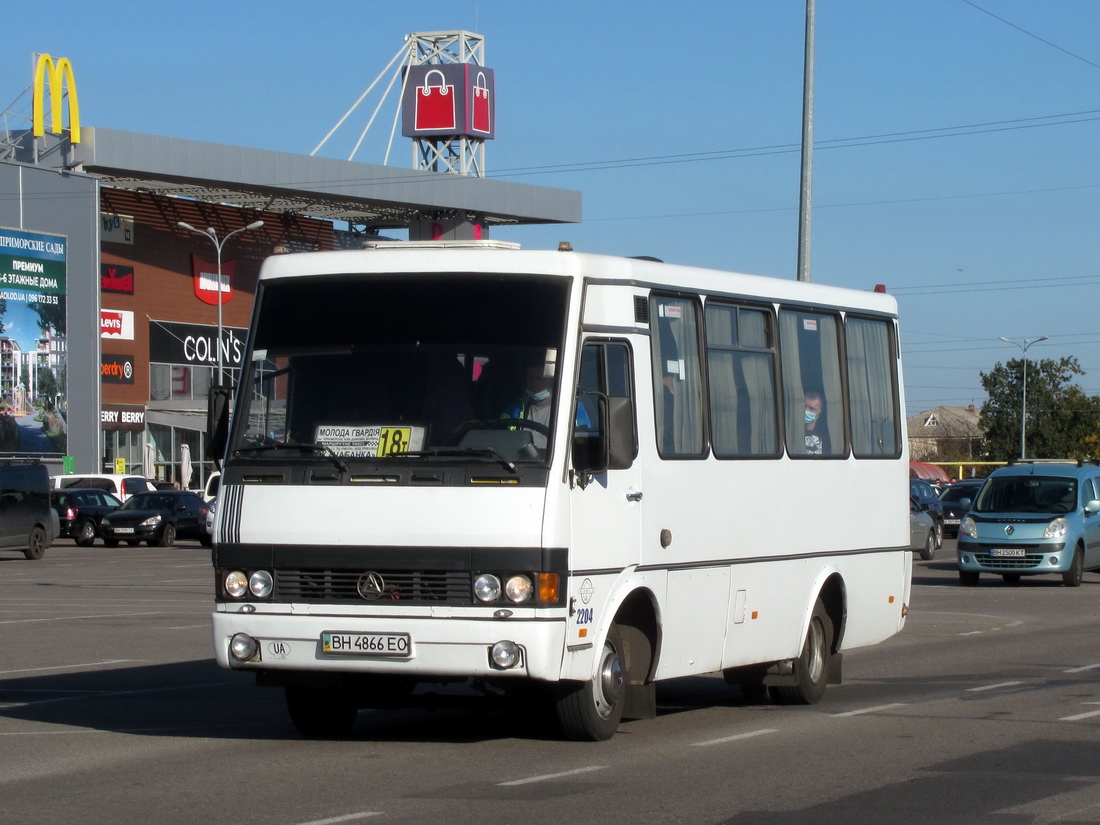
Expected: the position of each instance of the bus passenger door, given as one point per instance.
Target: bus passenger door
(606, 506)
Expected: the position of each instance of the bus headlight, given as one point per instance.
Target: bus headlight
(260, 584)
(243, 647)
(487, 587)
(519, 589)
(505, 655)
(236, 584)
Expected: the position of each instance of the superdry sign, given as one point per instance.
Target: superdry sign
(116, 369)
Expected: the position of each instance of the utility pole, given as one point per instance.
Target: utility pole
(806, 188)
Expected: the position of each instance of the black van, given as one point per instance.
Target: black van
(27, 521)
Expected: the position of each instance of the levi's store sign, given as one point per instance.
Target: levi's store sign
(116, 323)
(114, 278)
(206, 280)
(193, 344)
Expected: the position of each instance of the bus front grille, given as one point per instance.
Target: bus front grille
(408, 586)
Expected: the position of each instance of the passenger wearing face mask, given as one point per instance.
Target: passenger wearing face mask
(535, 404)
(816, 436)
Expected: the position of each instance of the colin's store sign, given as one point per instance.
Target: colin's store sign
(58, 75)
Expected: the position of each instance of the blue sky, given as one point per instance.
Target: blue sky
(956, 139)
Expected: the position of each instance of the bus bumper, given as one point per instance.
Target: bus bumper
(436, 647)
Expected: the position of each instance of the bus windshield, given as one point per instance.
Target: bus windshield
(389, 367)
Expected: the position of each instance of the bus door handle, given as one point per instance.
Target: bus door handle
(633, 496)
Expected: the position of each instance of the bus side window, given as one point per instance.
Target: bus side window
(813, 399)
(606, 370)
(677, 385)
(741, 377)
(872, 392)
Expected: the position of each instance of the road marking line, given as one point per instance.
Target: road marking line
(1078, 716)
(547, 776)
(347, 818)
(67, 667)
(993, 687)
(1082, 668)
(875, 709)
(735, 737)
(75, 618)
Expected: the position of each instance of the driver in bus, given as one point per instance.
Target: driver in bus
(535, 403)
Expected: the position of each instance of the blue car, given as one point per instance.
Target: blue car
(1030, 518)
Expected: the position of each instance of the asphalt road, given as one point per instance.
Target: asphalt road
(986, 709)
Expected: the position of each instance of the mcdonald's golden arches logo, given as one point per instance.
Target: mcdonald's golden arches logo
(58, 75)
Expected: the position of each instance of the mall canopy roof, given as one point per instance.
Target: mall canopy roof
(362, 193)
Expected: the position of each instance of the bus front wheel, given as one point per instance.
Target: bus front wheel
(591, 711)
(811, 668)
(320, 713)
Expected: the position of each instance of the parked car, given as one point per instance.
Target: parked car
(211, 511)
(1033, 517)
(955, 500)
(80, 510)
(929, 500)
(213, 482)
(27, 521)
(158, 518)
(121, 486)
(922, 531)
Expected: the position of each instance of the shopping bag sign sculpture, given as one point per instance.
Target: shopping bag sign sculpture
(449, 100)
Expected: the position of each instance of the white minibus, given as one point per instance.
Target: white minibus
(510, 469)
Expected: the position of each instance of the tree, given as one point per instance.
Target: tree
(1061, 419)
(47, 388)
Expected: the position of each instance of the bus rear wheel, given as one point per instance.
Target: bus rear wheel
(321, 713)
(591, 711)
(811, 668)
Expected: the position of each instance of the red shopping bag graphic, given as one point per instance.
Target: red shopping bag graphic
(482, 109)
(435, 104)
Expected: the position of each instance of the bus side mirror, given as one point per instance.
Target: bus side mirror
(607, 441)
(217, 422)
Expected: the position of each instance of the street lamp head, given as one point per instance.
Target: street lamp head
(186, 226)
(255, 225)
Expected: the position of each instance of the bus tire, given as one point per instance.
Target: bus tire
(320, 713)
(811, 668)
(591, 711)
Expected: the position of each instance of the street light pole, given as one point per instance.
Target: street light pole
(1023, 402)
(218, 244)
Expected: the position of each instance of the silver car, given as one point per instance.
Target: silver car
(922, 531)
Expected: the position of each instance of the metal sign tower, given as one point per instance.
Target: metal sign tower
(451, 104)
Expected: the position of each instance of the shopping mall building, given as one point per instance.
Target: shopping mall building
(109, 308)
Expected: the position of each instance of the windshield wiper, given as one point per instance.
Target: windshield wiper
(483, 452)
(324, 449)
